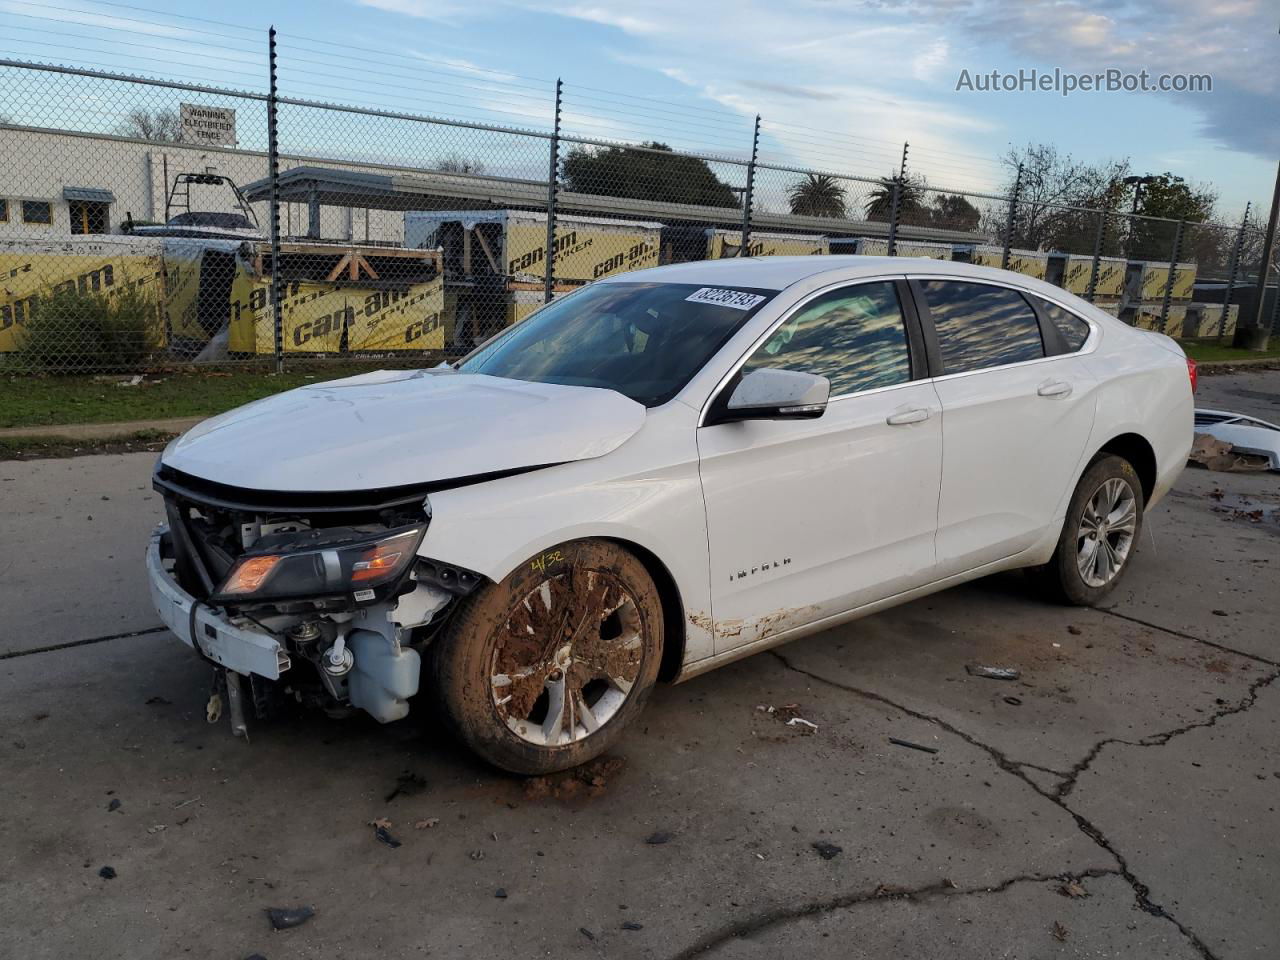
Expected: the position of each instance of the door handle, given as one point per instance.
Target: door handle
(1055, 388)
(915, 415)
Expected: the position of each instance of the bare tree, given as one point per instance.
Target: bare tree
(158, 126)
(1052, 182)
(457, 163)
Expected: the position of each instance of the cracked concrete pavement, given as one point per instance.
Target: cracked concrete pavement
(1119, 800)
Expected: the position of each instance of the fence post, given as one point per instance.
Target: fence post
(553, 176)
(273, 171)
(1236, 250)
(1008, 225)
(895, 203)
(1173, 269)
(1254, 335)
(748, 195)
(1098, 240)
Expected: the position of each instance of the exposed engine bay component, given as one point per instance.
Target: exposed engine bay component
(338, 587)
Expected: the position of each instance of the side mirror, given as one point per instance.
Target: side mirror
(773, 394)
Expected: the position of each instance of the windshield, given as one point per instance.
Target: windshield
(644, 340)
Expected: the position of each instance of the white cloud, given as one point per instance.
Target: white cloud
(441, 10)
(610, 18)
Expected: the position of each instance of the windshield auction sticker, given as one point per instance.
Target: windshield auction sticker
(726, 298)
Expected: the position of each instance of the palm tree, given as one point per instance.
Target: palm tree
(817, 195)
(910, 198)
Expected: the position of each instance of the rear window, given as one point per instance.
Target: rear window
(1074, 330)
(644, 340)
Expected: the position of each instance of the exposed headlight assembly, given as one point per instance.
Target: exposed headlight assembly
(362, 564)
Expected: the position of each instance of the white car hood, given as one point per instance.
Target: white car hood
(395, 428)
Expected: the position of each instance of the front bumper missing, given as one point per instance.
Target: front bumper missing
(242, 648)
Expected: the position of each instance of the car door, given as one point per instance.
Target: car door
(809, 518)
(1017, 411)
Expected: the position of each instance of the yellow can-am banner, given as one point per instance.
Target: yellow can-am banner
(31, 271)
(723, 244)
(1110, 283)
(584, 250)
(324, 318)
(1025, 262)
(1155, 277)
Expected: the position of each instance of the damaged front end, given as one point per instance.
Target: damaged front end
(313, 598)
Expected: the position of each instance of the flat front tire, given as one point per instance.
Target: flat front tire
(544, 671)
(1099, 536)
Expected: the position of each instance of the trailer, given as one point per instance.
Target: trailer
(724, 244)
(879, 247)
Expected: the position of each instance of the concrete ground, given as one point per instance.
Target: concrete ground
(1119, 800)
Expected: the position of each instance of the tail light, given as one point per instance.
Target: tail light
(1192, 375)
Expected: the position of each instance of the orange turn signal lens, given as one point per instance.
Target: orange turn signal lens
(378, 562)
(250, 574)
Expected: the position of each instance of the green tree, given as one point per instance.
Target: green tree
(1170, 197)
(951, 211)
(1056, 200)
(817, 195)
(911, 207)
(656, 173)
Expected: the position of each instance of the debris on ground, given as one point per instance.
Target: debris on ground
(380, 822)
(632, 925)
(1219, 613)
(586, 933)
(789, 714)
(1246, 438)
(913, 746)
(426, 824)
(285, 918)
(500, 893)
(992, 673)
(801, 721)
(1074, 630)
(1013, 701)
(658, 837)
(588, 780)
(158, 701)
(407, 785)
(827, 851)
(156, 829)
(107, 873)
(383, 835)
(1224, 457)
(1073, 888)
(114, 805)
(476, 854)
(1059, 932)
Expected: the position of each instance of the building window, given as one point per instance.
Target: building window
(88, 216)
(37, 211)
(4, 211)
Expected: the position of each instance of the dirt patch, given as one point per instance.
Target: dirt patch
(60, 448)
(586, 782)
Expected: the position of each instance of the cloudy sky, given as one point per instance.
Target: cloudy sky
(841, 83)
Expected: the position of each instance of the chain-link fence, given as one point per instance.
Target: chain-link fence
(145, 223)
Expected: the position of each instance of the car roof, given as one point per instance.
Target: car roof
(778, 273)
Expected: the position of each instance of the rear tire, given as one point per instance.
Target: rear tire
(1099, 535)
(543, 671)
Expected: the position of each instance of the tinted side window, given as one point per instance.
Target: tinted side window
(855, 337)
(981, 326)
(1074, 330)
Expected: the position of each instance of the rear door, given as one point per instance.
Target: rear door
(808, 518)
(1017, 411)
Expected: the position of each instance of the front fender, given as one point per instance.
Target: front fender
(646, 492)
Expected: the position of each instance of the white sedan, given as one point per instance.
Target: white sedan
(653, 476)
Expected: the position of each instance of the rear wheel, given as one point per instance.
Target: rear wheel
(1099, 535)
(544, 670)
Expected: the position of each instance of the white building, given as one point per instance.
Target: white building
(55, 184)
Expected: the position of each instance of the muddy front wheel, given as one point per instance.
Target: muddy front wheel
(543, 671)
